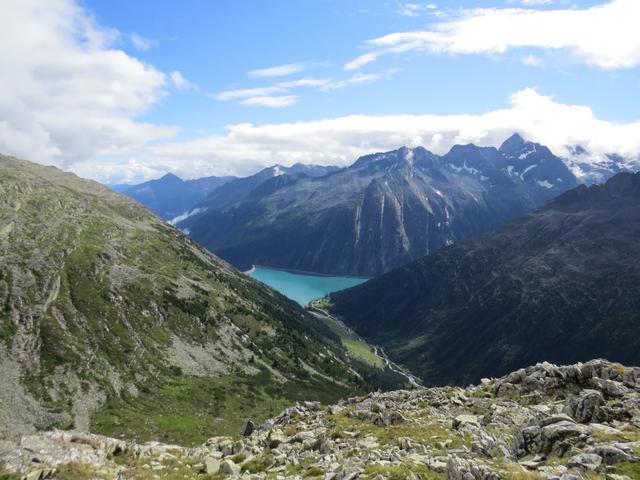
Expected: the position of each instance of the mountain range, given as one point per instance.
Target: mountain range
(113, 320)
(170, 196)
(560, 284)
(241, 188)
(382, 212)
(593, 168)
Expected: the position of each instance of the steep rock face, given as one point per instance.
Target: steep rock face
(543, 422)
(111, 318)
(534, 163)
(561, 283)
(382, 212)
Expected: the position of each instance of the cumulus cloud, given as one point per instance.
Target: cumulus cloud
(604, 36)
(245, 148)
(65, 94)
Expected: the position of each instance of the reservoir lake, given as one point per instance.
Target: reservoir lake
(303, 287)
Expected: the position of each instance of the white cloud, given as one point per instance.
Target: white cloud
(275, 95)
(416, 9)
(361, 61)
(534, 2)
(278, 70)
(141, 43)
(281, 87)
(603, 36)
(235, 94)
(306, 82)
(271, 101)
(65, 94)
(245, 148)
(182, 83)
(359, 79)
(533, 61)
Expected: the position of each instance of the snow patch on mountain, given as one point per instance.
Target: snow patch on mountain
(528, 169)
(471, 170)
(408, 156)
(524, 155)
(438, 192)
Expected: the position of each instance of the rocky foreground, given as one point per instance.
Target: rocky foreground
(544, 422)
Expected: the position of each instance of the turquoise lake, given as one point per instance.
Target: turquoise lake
(303, 287)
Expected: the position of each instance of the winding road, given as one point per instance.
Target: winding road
(377, 351)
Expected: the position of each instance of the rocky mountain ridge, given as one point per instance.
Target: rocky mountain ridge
(241, 188)
(545, 422)
(592, 168)
(381, 212)
(171, 196)
(559, 284)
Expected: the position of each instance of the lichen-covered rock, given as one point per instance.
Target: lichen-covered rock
(464, 469)
(589, 461)
(586, 407)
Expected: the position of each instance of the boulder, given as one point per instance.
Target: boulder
(610, 454)
(313, 406)
(276, 437)
(211, 465)
(387, 419)
(248, 429)
(589, 461)
(558, 437)
(528, 441)
(227, 467)
(40, 474)
(610, 388)
(506, 389)
(586, 407)
(465, 420)
(466, 469)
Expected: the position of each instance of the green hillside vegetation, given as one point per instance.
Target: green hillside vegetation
(112, 319)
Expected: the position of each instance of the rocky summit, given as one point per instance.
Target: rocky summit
(380, 213)
(571, 422)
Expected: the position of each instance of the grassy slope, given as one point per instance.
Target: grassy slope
(95, 289)
(189, 409)
(356, 347)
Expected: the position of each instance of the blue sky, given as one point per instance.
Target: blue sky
(191, 86)
(215, 44)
